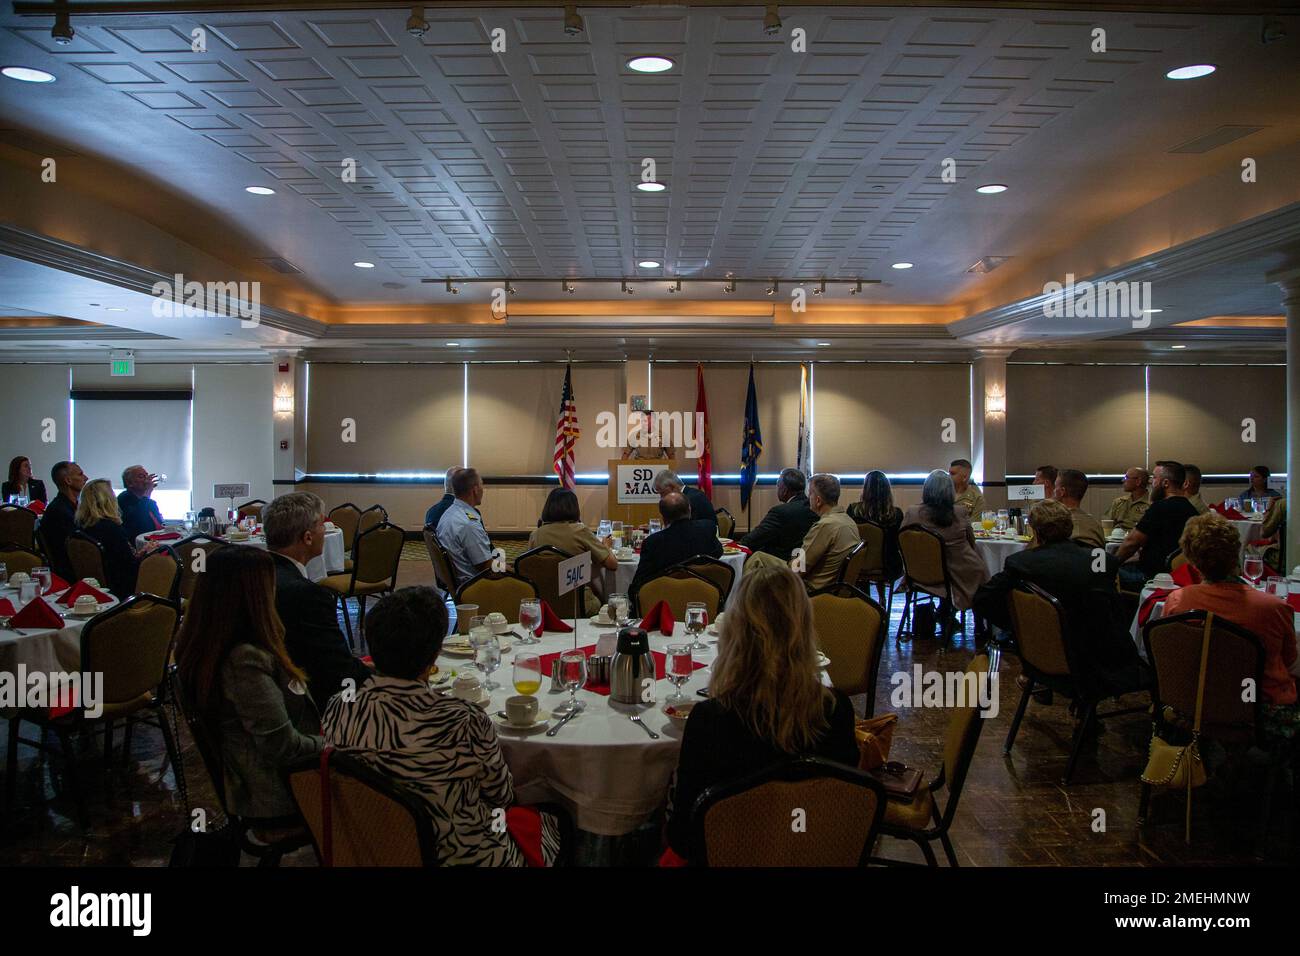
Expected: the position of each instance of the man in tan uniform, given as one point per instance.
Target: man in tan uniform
(1071, 486)
(1127, 510)
(969, 495)
(827, 544)
(1192, 488)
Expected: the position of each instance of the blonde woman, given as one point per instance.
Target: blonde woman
(98, 517)
(767, 703)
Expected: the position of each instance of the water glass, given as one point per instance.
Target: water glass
(27, 592)
(44, 576)
(530, 617)
(1003, 520)
(1253, 568)
(528, 673)
(655, 525)
(680, 666)
(188, 523)
(697, 618)
(618, 607)
(604, 528)
(4, 575)
(573, 674)
(487, 654)
(1278, 587)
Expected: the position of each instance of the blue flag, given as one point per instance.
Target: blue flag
(752, 444)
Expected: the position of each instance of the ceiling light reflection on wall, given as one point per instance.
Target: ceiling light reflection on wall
(649, 64)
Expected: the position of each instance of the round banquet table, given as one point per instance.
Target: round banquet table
(329, 561)
(995, 551)
(47, 650)
(626, 569)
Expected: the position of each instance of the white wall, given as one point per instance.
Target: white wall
(29, 394)
(233, 430)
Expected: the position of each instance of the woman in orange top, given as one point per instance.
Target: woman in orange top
(1212, 545)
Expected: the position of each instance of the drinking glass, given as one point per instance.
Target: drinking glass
(604, 528)
(27, 592)
(528, 673)
(1253, 567)
(188, 523)
(616, 528)
(1278, 587)
(618, 608)
(530, 616)
(487, 654)
(655, 525)
(988, 519)
(697, 619)
(680, 666)
(1004, 520)
(44, 576)
(573, 674)
(4, 575)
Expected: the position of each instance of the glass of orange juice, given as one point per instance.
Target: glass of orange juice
(988, 519)
(528, 673)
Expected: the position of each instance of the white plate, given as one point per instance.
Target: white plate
(595, 619)
(457, 649)
(77, 612)
(676, 718)
(543, 718)
(484, 697)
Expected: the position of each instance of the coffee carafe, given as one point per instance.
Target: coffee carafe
(631, 666)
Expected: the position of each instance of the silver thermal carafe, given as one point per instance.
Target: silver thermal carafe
(632, 663)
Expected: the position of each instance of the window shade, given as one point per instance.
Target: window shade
(111, 434)
(1197, 414)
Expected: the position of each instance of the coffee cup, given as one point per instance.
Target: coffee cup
(85, 602)
(521, 710)
(497, 621)
(467, 687)
(604, 616)
(90, 582)
(463, 614)
(1163, 580)
(19, 578)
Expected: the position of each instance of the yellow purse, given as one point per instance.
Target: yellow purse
(875, 737)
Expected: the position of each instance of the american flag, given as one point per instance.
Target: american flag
(566, 433)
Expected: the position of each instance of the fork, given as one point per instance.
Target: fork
(636, 719)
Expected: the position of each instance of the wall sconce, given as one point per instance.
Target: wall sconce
(284, 401)
(995, 403)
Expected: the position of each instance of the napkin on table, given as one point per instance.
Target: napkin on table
(660, 618)
(1185, 574)
(163, 536)
(37, 614)
(80, 588)
(1154, 598)
(7, 607)
(56, 584)
(551, 622)
(36, 506)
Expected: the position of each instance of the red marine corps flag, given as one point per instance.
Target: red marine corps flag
(705, 480)
(566, 433)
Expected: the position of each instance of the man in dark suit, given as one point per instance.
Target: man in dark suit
(140, 513)
(439, 508)
(783, 528)
(667, 482)
(60, 517)
(682, 537)
(295, 533)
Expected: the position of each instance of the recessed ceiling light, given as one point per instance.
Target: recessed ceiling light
(115, 308)
(649, 64)
(1152, 311)
(648, 264)
(651, 187)
(453, 345)
(991, 188)
(901, 265)
(1178, 346)
(1191, 72)
(259, 190)
(27, 75)
(364, 265)
(823, 345)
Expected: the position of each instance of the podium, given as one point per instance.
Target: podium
(632, 498)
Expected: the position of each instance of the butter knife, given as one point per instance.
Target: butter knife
(563, 720)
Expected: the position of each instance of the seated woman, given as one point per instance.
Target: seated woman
(937, 512)
(21, 482)
(877, 505)
(98, 516)
(561, 527)
(767, 702)
(238, 682)
(1212, 545)
(443, 750)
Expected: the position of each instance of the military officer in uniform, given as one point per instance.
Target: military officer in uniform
(461, 531)
(1127, 510)
(969, 495)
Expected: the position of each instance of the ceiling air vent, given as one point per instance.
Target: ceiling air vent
(1213, 140)
(987, 264)
(282, 265)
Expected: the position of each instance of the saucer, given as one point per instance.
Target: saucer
(484, 696)
(543, 718)
(678, 712)
(86, 612)
(463, 648)
(595, 619)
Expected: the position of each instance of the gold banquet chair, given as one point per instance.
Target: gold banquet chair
(873, 570)
(252, 509)
(444, 572)
(86, 556)
(376, 555)
(541, 566)
(497, 591)
(185, 554)
(925, 572)
(16, 558)
(720, 573)
(17, 526)
(679, 586)
(159, 574)
(726, 523)
(850, 630)
(347, 518)
(747, 823)
(373, 820)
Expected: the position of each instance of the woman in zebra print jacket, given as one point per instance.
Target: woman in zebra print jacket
(443, 750)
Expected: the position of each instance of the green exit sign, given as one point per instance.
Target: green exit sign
(123, 366)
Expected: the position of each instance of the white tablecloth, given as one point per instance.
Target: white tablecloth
(995, 551)
(47, 650)
(329, 561)
(626, 569)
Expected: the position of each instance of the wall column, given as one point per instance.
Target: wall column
(1289, 280)
(289, 438)
(989, 423)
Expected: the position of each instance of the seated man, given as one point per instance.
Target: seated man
(827, 544)
(460, 529)
(968, 493)
(1071, 486)
(667, 482)
(1045, 475)
(295, 533)
(1127, 510)
(784, 526)
(439, 508)
(60, 517)
(1192, 487)
(1084, 581)
(1156, 536)
(140, 513)
(682, 537)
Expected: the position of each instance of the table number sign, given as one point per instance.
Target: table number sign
(1025, 492)
(231, 490)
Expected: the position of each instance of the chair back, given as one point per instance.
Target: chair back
(873, 561)
(1174, 650)
(17, 526)
(252, 509)
(372, 517)
(376, 554)
(726, 523)
(159, 573)
(16, 558)
(924, 561)
(720, 573)
(963, 735)
(853, 568)
(497, 591)
(1038, 623)
(444, 572)
(850, 627)
(373, 820)
(129, 645)
(346, 517)
(541, 567)
(748, 823)
(86, 556)
(679, 586)
(185, 553)
(1177, 559)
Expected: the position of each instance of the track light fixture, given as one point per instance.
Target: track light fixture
(730, 287)
(568, 287)
(676, 286)
(772, 21)
(774, 288)
(573, 25)
(510, 289)
(821, 287)
(626, 287)
(452, 288)
(857, 287)
(62, 32)
(416, 25)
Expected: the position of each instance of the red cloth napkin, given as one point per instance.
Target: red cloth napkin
(80, 588)
(1185, 574)
(7, 607)
(551, 622)
(659, 619)
(56, 584)
(37, 614)
(524, 824)
(1232, 514)
(163, 536)
(1155, 597)
(1294, 600)
(670, 858)
(36, 506)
